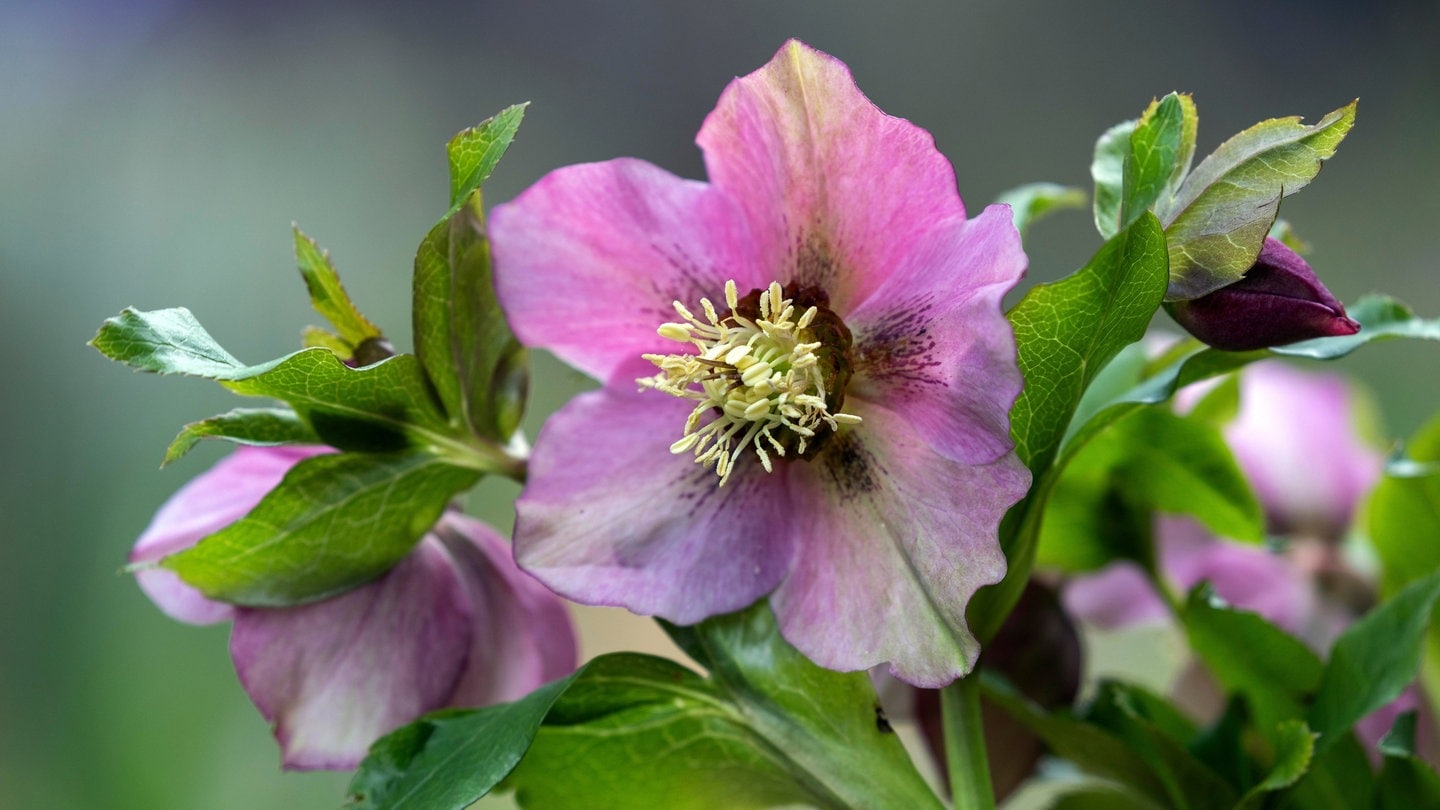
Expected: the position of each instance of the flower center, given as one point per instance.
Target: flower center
(774, 382)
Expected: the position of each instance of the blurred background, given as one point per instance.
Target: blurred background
(154, 153)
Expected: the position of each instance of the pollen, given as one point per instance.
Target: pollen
(757, 375)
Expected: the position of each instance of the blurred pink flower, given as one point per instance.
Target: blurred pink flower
(850, 386)
(453, 624)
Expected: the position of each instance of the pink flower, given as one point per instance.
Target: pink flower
(453, 624)
(819, 326)
(1300, 440)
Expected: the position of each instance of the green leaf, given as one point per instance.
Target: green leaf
(1034, 201)
(1340, 778)
(334, 522)
(1068, 330)
(1406, 781)
(328, 296)
(1224, 209)
(1153, 158)
(165, 341)
(385, 406)
(1100, 797)
(1373, 660)
(477, 366)
(474, 152)
(1160, 735)
(1108, 171)
(1065, 334)
(826, 723)
(1184, 153)
(452, 758)
(1294, 749)
(1274, 671)
(262, 427)
(1092, 748)
(639, 732)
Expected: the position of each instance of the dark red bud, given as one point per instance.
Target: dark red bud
(1277, 301)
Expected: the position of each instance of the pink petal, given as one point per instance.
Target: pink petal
(893, 540)
(1295, 438)
(208, 503)
(334, 676)
(611, 517)
(521, 634)
(1117, 596)
(933, 343)
(834, 190)
(589, 260)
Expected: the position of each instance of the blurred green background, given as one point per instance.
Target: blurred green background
(154, 154)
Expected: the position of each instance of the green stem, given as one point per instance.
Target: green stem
(970, 787)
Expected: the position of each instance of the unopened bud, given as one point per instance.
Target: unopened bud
(1277, 301)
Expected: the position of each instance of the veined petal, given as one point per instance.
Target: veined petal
(834, 189)
(334, 676)
(589, 260)
(611, 517)
(208, 503)
(521, 634)
(933, 344)
(893, 541)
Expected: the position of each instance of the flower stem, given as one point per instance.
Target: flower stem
(965, 757)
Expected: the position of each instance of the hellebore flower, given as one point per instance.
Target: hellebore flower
(819, 327)
(1299, 438)
(1278, 300)
(453, 624)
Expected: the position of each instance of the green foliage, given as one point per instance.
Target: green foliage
(1034, 201)
(1373, 660)
(264, 427)
(766, 728)
(474, 153)
(1405, 780)
(1294, 749)
(328, 296)
(1149, 460)
(1065, 333)
(1153, 161)
(1108, 171)
(336, 521)
(452, 758)
(477, 366)
(1220, 215)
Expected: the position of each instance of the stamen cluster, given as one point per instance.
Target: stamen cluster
(759, 376)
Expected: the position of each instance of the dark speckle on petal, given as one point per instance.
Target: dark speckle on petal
(900, 349)
(814, 262)
(853, 468)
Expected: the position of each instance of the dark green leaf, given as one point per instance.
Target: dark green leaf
(1406, 781)
(1224, 209)
(263, 427)
(1034, 201)
(1108, 171)
(825, 723)
(1294, 748)
(1153, 158)
(1161, 736)
(1100, 797)
(451, 758)
(1222, 746)
(475, 363)
(334, 522)
(1067, 331)
(1273, 670)
(1090, 521)
(1340, 778)
(1092, 748)
(1373, 660)
(474, 152)
(328, 296)
(639, 732)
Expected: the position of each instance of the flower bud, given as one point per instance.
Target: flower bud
(1277, 301)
